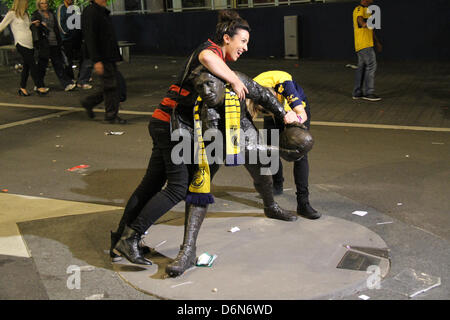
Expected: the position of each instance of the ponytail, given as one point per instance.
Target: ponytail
(229, 22)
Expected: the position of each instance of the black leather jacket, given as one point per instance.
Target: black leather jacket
(40, 34)
(99, 34)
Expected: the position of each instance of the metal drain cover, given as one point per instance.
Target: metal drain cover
(357, 261)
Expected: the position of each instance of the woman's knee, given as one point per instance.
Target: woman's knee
(176, 191)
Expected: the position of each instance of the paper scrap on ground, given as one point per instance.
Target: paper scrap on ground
(87, 268)
(205, 260)
(80, 168)
(387, 222)
(234, 229)
(360, 213)
(114, 133)
(181, 284)
(364, 297)
(95, 297)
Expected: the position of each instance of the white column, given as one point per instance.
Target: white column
(220, 4)
(118, 6)
(154, 5)
(177, 6)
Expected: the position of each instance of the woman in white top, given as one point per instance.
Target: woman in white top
(20, 23)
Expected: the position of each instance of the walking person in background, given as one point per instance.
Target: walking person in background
(47, 41)
(364, 46)
(103, 51)
(20, 23)
(73, 44)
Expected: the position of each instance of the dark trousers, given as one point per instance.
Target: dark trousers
(301, 167)
(149, 201)
(57, 63)
(29, 65)
(69, 52)
(108, 92)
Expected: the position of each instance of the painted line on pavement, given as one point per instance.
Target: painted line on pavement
(49, 116)
(316, 123)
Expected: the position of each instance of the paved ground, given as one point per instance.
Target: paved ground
(397, 173)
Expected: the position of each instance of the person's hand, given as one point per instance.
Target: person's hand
(290, 117)
(98, 68)
(240, 89)
(36, 23)
(379, 47)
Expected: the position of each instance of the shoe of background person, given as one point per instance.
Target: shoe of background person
(277, 189)
(42, 92)
(85, 86)
(357, 96)
(117, 120)
(89, 111)
(23, 94)
(70, 87)
(305, 210)
(46, 89)
(371, 97)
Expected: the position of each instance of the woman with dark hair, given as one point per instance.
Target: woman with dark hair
(149, 201)
(48, 44)
(20, 23)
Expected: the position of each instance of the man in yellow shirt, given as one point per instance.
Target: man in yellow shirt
(364, 47)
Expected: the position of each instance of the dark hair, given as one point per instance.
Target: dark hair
(229, 22)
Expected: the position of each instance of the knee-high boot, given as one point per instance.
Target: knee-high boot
(264, 186)
(194, 216)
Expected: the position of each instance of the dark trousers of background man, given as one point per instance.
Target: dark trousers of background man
(301, 167)
(85, 65)
(57, 63)
(108, 91)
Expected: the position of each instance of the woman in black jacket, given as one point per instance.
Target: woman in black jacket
(47, 41)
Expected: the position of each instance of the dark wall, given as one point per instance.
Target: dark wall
(410, 29)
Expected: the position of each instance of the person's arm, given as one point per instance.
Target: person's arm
(6, 20)
(300, 111)
(294, 96)
(361, 22)
(377, 42)
(220, 69)
(267, 100)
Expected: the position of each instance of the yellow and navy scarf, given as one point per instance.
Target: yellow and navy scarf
(232, 129)
(200, 187)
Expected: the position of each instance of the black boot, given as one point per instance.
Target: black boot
(128, 246)
(304, 208)
(115, 237)
(263, 184)
(276, 212)
(185, 259)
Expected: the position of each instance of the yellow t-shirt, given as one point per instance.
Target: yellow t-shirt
(270, 79)
(363, 36)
